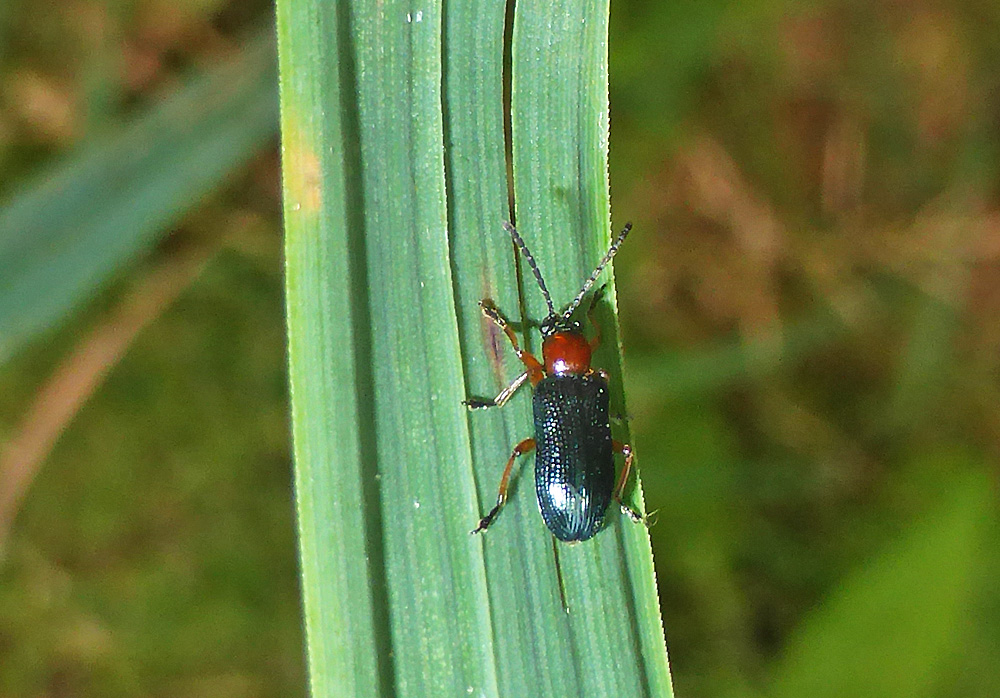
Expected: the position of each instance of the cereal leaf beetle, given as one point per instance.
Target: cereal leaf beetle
(574, 463)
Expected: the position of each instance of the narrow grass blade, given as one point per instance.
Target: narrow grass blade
(336, 492)
(65, 232)
(394, 590)
(560, 141)
(533, 651)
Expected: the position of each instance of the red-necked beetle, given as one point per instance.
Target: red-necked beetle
(574, 464)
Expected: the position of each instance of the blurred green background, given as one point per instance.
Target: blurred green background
(808, 305)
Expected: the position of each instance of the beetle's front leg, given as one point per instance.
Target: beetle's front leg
(527, 358)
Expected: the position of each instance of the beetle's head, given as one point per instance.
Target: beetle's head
(564, 348)
(559, 324)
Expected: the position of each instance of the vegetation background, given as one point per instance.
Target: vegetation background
(808, 306)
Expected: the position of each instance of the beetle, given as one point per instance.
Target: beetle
(574, 463)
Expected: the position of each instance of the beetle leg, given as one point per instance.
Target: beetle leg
(626, 451)
(534, 368)
(501, 399)
(596, 339)
(525, 446)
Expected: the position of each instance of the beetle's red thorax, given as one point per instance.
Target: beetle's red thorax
(566, 352)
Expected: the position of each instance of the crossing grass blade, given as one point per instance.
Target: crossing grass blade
(395, 190)
(73, 225)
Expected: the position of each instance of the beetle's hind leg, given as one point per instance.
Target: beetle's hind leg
(626, 450)
(525, 446)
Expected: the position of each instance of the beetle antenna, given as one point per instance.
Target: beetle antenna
(597, 272)
(531, 263)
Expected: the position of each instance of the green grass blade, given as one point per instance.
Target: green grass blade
(533, 653)
(390, 245)
(436, 591)
(63, 234)
(398, 380)
(888, 629)
(325, 301)
(560, 139)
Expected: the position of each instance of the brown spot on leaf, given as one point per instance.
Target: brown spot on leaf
(302, 172)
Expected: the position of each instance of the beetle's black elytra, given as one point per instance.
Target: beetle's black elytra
(573, 434)
(574, 466)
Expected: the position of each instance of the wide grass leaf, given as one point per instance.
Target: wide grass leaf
(395, 191)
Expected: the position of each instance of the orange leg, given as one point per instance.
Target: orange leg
(525, 446)
(626, 451)
(527, 358)
(501, 399)
(533, 369)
